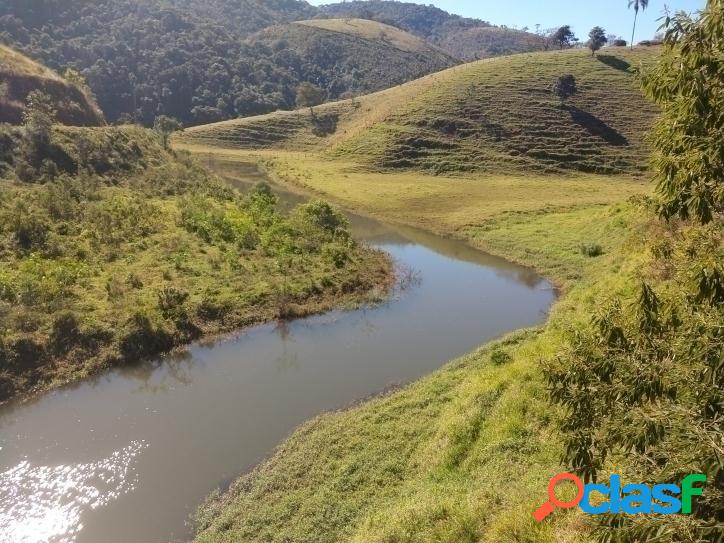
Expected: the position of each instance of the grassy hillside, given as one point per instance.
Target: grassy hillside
(462, 37)
(19, 76)
(351, 56)
(116, 250)
(494, 116)
(374, 31)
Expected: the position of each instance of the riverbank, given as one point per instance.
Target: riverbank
(536, 221)
(424, 462)
(127, 251)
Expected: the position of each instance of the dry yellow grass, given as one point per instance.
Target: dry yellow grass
(12, 62)
(19, 75)
(372, 30)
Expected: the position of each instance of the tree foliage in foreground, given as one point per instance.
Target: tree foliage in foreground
(689, 138)
(643, 383)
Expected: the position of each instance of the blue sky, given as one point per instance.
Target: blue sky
(612, 15)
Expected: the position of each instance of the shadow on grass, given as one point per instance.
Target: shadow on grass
(615, 62)
(596, 127)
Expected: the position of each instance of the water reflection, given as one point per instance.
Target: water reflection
(46, 504)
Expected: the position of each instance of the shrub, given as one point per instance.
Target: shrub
(65, 333)
(239, 227)
(337, 254)
(171, 300)
(323, 216)
(643, 379)
(591, 250)
(30, 232)
(500, 357)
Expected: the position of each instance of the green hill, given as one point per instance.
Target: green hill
(351, 56)
(462, 37)
(19, 76)
(495, 116)
(374, 31)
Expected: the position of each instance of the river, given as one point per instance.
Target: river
(127, 456)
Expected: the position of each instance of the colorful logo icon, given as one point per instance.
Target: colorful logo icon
(631, 499)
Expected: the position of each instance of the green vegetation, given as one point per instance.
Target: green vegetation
(498, 116)
(20, 76)
(353, 56)
(688, 87)
(626, 377)
(643, 381)
(113, 249)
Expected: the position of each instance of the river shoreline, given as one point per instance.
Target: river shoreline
(228, 404)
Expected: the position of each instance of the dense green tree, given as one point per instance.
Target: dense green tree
(596, 39)
(164, 126)
(38, 119)
(563, 37)
(689, 137)
(204, 61)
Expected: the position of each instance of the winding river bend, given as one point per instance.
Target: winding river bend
(129, 455)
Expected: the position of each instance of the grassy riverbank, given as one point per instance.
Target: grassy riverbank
(539, 221)
(116, 249)
(425, 463)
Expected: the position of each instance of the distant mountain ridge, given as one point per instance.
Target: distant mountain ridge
(463, 37)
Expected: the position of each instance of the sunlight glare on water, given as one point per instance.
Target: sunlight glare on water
(40, 504)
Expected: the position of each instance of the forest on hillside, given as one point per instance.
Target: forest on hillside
(195, 61)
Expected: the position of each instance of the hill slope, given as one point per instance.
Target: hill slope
(462, 37)
(497, 115)
(373, 31)
(192, 60)
(351, 56)
(19, 76)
